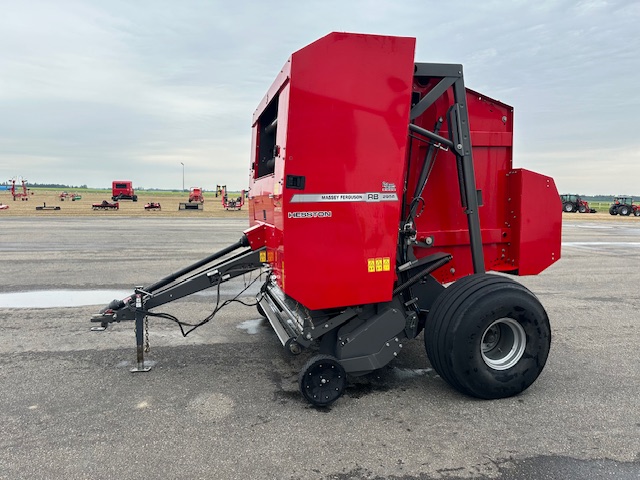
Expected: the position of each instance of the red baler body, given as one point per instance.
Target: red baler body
(331, 203)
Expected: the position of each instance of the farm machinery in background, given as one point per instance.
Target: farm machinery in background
(123, 190)
(624, 206)
(105, 205)
(374, 182)
(45, 207)
(196, 200)
(24, 194)
(196, 195)
(70, 196)
(234, 203)
(575, 203)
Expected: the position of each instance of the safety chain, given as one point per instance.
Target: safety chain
(147, 347)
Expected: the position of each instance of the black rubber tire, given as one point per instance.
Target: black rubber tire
(568, 207)
(613, 210)
(637, 212)
(135, 198)
(624, 210)
(460, 317)
(582, 209)
(322, 380)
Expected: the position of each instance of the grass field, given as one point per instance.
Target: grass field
(169, 202)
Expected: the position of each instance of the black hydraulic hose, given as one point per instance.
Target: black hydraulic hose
(414, 279)
(424, 174)
(243, 242)
(430, 135)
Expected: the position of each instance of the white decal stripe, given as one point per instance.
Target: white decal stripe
(344, 197)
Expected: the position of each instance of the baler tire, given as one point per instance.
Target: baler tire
(322, 380)
(459, 330)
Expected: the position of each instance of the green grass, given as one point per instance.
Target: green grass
(600, 206)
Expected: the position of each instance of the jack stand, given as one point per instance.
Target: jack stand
(140, 337)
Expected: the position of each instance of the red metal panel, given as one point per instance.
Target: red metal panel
(535, 219)
(443, 220)
(343, 127)
(509, 225)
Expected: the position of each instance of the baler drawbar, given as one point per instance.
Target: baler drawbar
(381, 192)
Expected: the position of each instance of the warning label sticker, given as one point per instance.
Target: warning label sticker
(379, 264)
(371, 265)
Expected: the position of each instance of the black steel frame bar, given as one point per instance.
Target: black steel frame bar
(462, 139)
(433, 94)
(459, 141)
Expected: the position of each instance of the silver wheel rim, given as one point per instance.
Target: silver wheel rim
(503, 344)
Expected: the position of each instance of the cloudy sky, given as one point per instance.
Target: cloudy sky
(95, 90)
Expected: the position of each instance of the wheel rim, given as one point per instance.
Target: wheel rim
(323, 382)
(503, 344)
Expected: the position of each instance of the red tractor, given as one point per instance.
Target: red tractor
(382, 191)
(624, 206)
(575, 203)
(195, 195)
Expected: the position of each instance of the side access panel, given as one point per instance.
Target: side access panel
(329, 144)
(535, 218)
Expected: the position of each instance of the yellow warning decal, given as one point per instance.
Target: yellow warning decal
(371, 265)
(263, 256)
(378, 264)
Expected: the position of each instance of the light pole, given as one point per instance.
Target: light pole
(182, 175)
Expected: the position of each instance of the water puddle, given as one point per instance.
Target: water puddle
(60, 298)
(251, 326)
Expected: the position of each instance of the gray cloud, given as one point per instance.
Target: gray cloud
(90, 90)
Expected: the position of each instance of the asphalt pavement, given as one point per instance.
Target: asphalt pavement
(223, 402)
